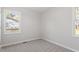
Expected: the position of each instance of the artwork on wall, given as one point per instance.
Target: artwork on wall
(12, 21)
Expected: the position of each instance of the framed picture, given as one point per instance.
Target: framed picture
(12, 20)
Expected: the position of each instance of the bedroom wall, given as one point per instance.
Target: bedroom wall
(29, 27)
(57, 27)
(0, 25)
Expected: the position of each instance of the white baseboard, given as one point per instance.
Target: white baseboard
(14, 43)
(64, 46)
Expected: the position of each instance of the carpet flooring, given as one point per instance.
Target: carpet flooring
(35, 46)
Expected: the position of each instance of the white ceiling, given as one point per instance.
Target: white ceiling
(39, 9)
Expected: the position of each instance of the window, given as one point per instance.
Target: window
(76, 21)
(11, 21)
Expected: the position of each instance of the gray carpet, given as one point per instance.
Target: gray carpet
(35, 46)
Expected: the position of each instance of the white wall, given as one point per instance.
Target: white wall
(0, 25)
(57, 26)
(29, 27)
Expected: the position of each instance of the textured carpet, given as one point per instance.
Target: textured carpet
(35, 46)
